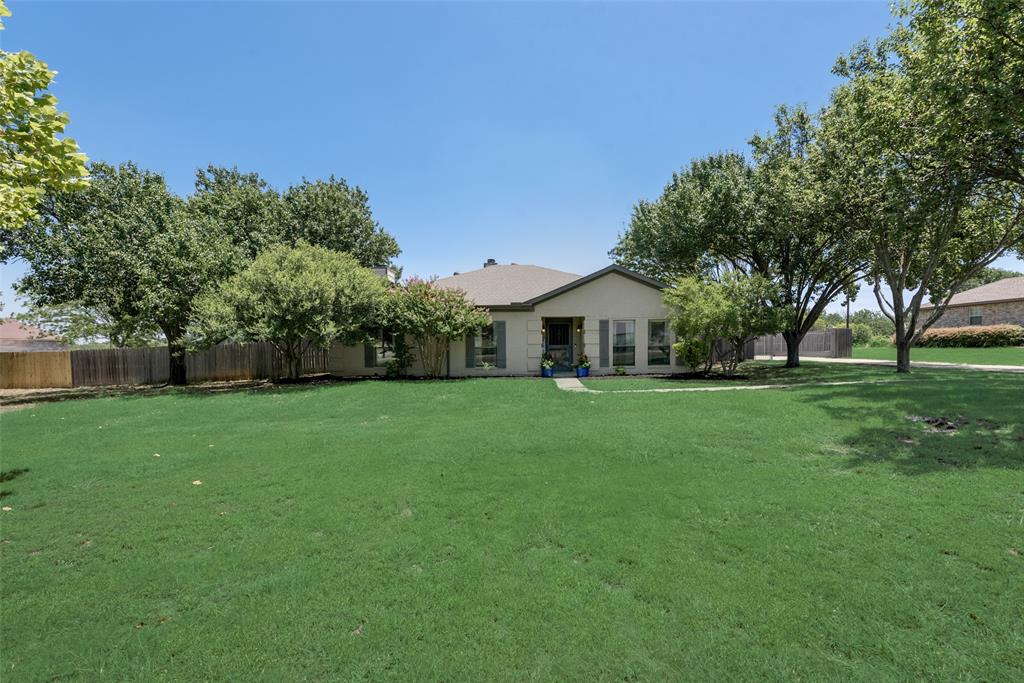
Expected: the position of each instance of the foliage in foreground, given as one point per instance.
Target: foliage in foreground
(35, 157)
(294, 298)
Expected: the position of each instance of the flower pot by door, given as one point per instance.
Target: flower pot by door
(547, 372)
(583, 372)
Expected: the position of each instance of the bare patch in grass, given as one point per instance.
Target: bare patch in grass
(939, 425)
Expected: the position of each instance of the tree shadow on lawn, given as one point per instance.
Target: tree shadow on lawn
(932, 424)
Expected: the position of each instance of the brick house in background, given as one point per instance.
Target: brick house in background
(997, 303)
(14, 336)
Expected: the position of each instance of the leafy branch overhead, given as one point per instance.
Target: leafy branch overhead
(35, 157)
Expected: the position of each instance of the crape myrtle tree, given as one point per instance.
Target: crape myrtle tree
(295, 298)
(767, 218)
(932, 214)
(127, 246)
(431, 318)
(705, 313)
(35, 157)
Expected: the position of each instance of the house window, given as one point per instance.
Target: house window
(485, 348)
(657, 342)
(624, 343)
(975, 315)
(384, 348)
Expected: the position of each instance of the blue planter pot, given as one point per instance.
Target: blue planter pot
(547, 372)
(583, 372)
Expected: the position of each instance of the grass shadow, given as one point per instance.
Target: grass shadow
(982, 424)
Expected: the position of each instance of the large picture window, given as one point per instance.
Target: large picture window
(485, 348)
(657, 342)
(624, 343)
(975, 313)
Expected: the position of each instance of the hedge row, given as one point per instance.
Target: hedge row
(973, 336)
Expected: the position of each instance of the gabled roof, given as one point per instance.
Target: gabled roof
(1007, 289)
(626, 272)
(502, 285)
(519, 287)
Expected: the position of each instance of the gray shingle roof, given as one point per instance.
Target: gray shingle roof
(1007, 289)
(502, 285)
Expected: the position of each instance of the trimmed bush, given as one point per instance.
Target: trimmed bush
(973, 336)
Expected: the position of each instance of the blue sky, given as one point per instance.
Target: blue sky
(518, 131)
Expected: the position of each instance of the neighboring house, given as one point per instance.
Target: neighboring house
(14, 336)
(996, 303)
(616, 316)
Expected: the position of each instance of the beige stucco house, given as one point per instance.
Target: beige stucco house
(996, 303)
(615, 316)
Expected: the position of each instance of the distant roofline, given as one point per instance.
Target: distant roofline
(976, 303)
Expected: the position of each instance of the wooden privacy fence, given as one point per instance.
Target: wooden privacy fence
(149, 365)
(35, 369)
(833, 343)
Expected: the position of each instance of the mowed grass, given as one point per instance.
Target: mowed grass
(1008, 355)
(502, 529)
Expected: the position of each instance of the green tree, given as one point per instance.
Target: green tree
(34, 156)
(431, 318)
(770, 218)
(328, 213)
(987, 276)
(705, 312)
(294, 298)
(334, 215)
(930, 220)
(127, 246)
(74, 323)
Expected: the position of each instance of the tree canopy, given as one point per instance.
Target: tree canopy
(770, 218)
(126, 245)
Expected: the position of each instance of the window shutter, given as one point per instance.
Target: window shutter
(471, 349)
(499, 341)
(369, 356)
(602, 327)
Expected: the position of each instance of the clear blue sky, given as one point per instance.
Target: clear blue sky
(519, 131)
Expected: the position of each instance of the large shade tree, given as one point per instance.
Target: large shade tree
(768, 218)
(126, 245)
(930, 208)
(295, 298)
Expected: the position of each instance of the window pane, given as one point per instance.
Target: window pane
(486, 349)
(624, 343)
(384, 345)
(975, 315)
(657, 343)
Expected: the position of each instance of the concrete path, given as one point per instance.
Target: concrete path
(913, 363)
(574, 385)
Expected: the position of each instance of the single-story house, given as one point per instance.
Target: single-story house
(615, 316)
(996, 303)
(16, 336)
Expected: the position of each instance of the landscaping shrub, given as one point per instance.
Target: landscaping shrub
(862, 333)
(973, 336)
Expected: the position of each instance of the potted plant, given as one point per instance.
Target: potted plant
(583, 366)
(547, 365)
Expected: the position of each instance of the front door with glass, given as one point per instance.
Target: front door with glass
(559, 344)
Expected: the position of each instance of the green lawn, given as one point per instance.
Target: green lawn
(995, 356)
(502, 529)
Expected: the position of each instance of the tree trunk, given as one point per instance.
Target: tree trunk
(178, 374)
(793, 340)
(902, 355)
